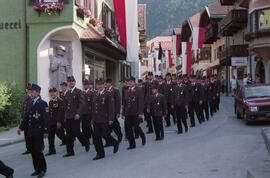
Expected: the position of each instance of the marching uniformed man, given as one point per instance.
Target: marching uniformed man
(26, 101)
(132, 113)
(36, 120)
(158, 108)
(205, 99)
(218, 90)
(195, 101)
(180, 103)
(62, 95)
(147, 94)
(103, 115)
(6, 170)
(212, 95)
(117, 103)
(86, 111)
(56, 111)
(167, 91)
(74, 101)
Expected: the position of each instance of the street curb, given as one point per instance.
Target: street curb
(261, 172)
(12, 142)
(266, 136)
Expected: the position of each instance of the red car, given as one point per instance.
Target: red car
(252, 103)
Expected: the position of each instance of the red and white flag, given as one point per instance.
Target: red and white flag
(198, 37)
(186, 57)
(127, 21)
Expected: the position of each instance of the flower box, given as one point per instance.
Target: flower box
(257, 34)
(49, 8)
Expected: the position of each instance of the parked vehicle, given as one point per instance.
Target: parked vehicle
(252, 103)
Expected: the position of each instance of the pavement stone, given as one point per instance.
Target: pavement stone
(258, 172)
(10, 137)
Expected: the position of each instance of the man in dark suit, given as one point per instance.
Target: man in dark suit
(205, 99)
(133, 107)
(26, 101)
(36, 120)
(74, 101)
(158, 108)
(167, 91)
(212, 95)
(56, 111)
(103, 115)
(86, 115)
(117, 103)
(180, 103)
(62, 95)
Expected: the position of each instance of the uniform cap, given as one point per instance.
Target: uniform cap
(150, 73)
(71, 79)
(35, 87)
(132, 79)
(99, 81)
(86, 82)
(63, 84)
(168, 74)
(109, 80)
(28, 86)
(52, 90)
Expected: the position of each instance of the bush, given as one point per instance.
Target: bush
(11, 98)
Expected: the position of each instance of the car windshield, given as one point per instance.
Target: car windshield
(257, 92)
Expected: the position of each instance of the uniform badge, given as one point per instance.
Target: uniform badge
(55, 105)
(196, 89)
(37, 115)
(182, 93)
(158, 103)
(46, 109)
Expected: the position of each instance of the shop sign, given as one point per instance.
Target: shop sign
(10, 25)
(239, 61)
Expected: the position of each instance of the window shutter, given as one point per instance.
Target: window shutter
(113, 21)
(77, 2)
(104, 15)
(96, 9)
(88, 4)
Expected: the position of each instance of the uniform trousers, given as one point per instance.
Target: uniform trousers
(5, 170)
(194, 107)
(86, 127)
(212, 106)
(101, 130)
(205, 108)
(73, 130)
(36, 145)
(51, 139)
(169, 113)
(181, 114)
(26, 139)
(148, 119)
(132, 124)
(116, 128)
(158, 126)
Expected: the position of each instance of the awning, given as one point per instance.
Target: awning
(97, 41)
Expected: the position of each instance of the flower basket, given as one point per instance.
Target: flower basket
(108, 32)
(83, 12)
(49, 8)
(95, 22)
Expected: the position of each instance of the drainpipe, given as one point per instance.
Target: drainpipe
(25, 45)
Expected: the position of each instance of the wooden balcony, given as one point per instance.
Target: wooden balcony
(211, 33)
(232, 51)
(204, 54)
(227, 2)
(234, 21)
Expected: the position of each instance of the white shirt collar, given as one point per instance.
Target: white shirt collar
(100, 92)
(72, 89)
(35, 100)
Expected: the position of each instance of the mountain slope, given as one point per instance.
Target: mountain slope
(164, 15)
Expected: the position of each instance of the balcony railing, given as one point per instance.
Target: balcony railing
(227, 2)
(234, 21)
(204, 54)
(211, 33)
(233, 51)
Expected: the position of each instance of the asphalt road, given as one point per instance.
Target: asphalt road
(223, 147)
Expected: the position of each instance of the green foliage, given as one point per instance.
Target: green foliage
(11, 98)
(164, 15)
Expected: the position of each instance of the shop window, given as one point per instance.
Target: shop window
(260, 20)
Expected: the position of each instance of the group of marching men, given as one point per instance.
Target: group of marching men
(94, 112)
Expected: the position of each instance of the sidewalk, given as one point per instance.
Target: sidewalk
(10, 137)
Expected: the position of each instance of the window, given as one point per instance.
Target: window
(260, 20)
(107, 16)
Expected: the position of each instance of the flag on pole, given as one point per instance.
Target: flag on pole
(186, 56)
(198, 38)
(126, 13)
(154, 63)
(170, 58)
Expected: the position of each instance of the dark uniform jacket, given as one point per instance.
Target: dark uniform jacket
(123, 92)
(74, 101)
(168, 91)
(26, 101)
(87, 104)
(212, 90)
(161, 87)
(218, 87)
(56, 110)
(103, 109)
(36, 119)
(205, 92)
(117, 99)
(196, 92)
(148, 89)
(180, 95)
(133, 102)
(158, 105)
